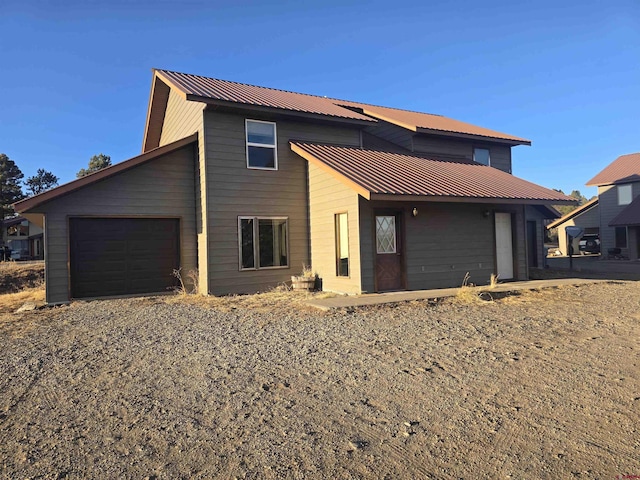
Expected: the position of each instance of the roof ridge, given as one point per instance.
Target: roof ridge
(332, 99)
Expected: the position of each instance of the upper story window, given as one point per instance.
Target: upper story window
(624, 194)
(20, 230)
(261, 145)
(481, 155)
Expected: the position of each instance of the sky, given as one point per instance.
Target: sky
(75, 76)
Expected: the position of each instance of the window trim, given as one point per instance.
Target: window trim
(481, 148)
(626, 186)
(262, 145)
(626, 237)
(256, 244)
(336, 223)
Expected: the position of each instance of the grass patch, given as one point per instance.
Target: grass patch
(18, 276)
(469, 294)
(10, 302)
(281, 298)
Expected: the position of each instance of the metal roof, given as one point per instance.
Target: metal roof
(629, 216)
(204, 89)
(380, 174)
(623, 169)
(430, 123)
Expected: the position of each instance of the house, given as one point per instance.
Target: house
(245, 184)
(24, 238)
(586, 216)
(619, 205)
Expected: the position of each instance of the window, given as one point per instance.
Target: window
(261, 145)
(385, 234)
(621, 237)
(342, 245)
(264, 242)
(481, 155)
(624, 194)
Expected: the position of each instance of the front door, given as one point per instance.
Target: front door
(504, 246)
(388, 253)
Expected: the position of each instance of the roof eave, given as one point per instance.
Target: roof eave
(485, 138)
(28, 204)
(574, 213)
(464, 199)
(282, 111)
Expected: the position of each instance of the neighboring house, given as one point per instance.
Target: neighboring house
(24, 238)
(246, 184)
(619, 205)
(586, 216)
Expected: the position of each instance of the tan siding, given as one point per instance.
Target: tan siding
(234, 190)
(182, 118)
(609, 209)
(327, 197)
(172, 176)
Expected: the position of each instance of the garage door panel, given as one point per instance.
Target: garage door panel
(119, 256)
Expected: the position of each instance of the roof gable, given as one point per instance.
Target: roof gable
(32, 202)
(223, 92)
(574, 213)
(624, 169)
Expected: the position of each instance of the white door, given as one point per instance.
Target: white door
(504, 246)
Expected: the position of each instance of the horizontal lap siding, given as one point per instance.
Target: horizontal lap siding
(327, 197)
(500, 154)
(234, 190)
(172, 177)
(443, 242)
(392, 133)
(183, 118)
(609, 209)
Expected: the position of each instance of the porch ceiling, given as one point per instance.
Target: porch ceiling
(378, 175)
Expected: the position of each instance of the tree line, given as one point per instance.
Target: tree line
(12, 183)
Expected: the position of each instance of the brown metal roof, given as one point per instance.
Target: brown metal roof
(574, 213)
(629, 216)
(430, 123)
(204, 89)
(623, 169)
(32, 202)
(379, 174)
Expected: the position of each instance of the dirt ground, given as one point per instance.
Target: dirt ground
(539, 385)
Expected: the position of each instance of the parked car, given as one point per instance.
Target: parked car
(589, 243)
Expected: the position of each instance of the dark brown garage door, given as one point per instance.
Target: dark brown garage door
(122, 256)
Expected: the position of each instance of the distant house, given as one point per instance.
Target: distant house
(619, 205)
(24, 238)
(246, 184)
(586, 216)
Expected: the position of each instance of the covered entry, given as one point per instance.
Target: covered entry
(122, 256)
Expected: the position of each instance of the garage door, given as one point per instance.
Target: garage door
(122, 256)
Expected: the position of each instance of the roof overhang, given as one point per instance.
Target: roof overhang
(28, 204)
(469, 136)
(574, 213)
(380, 175)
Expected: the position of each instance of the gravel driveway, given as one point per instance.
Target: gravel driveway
(539, 385)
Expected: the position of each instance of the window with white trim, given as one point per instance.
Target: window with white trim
(263, 242)
(342, 245)
(624, 194)
(261, 137)
(481, 155)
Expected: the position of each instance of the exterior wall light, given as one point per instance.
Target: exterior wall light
(414, 212)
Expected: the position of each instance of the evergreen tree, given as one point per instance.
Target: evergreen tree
(41, 182)
(97, 162)
(10, 188)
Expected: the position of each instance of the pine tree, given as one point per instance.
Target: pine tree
(10, 188)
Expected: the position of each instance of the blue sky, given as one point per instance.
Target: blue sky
(75, 76)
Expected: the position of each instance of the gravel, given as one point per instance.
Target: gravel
(538, 385)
